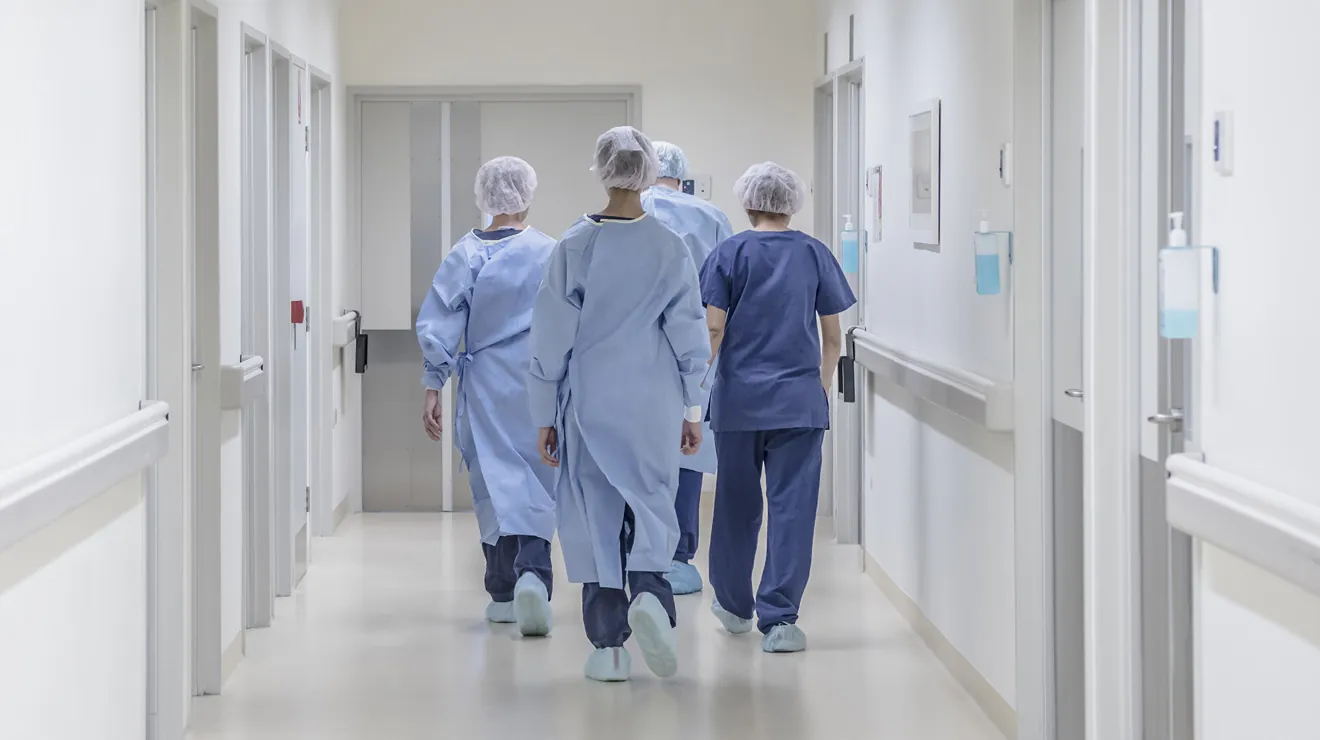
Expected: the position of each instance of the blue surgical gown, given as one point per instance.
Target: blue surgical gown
(619, 348)
(701, 226)
(481, 300)
(773, 284)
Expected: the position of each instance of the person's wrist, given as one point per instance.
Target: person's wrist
(693, 414)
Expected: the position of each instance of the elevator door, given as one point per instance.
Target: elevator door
(418, 163)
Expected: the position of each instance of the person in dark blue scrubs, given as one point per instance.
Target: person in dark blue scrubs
(769, 407)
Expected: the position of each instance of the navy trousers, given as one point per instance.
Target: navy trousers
(509, 558)
(605, 610)
(688, 506)
(791, 459)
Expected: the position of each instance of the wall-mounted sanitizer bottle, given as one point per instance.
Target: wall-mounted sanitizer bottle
(1180, 284)
(848, 245)
(987, 258)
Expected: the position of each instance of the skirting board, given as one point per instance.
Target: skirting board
(341, 513)
(232, 656)
(996, 708)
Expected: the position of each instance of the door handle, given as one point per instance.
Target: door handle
(1074, 393)
(1173, 418)
(197, 368)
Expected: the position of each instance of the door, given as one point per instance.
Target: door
(300, 491)
(289, 353)
(1067, 282)
(258, 537)
(849, 206)
(210, 639)
(1166, 555)
(322, 414)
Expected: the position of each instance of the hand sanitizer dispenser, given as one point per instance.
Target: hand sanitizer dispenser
(987, 258)
(849, 246)
(1180, 284)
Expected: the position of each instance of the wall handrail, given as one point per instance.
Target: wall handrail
(344, 328)
(1272, 529)
(243, 382)
(37, 492)
(975, 398)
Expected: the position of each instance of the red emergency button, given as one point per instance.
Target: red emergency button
(297, 313)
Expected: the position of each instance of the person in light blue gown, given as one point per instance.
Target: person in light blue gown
(475, 324)
(619, 350)
(702, 227)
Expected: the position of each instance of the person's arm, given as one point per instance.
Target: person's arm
(715, 318)
(554, 328)
(440, 325)
(831, 346)
(684, 326)
(716, 295)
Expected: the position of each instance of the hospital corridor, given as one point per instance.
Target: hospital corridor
(886, 369)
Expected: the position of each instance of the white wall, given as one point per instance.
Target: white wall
(939, 491)
(308, 29)
(72, 597)
(728, 81)
(1260, 649)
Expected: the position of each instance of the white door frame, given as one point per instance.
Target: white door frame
(165, 617)
(170, 552)
(321, 359)
(258, 506)
(631, 95)
(1032, 352)
(1112, 369)
(202, 258)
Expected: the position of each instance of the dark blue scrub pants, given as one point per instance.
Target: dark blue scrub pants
(688, 506)
(509, 558)
(605, 610)
(792, 459)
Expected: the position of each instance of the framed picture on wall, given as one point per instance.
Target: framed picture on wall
(924, 140)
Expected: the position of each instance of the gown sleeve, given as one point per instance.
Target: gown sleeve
(685, 328)
(443, 318)
(554, 329)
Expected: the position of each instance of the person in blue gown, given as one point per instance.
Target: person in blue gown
(475, 324)
(701, 226)
(765, 290)
(619, 348)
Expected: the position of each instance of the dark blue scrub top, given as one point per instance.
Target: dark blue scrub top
(496, 235)
(773, 284)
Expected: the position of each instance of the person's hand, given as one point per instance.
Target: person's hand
(547, 441)
(433, 415)
(691, 437)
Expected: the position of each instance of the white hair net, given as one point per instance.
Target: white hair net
(770, 188)
(673, 162)
(625, 159)
(505, 186)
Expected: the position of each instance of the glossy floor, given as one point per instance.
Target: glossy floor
(385, 640)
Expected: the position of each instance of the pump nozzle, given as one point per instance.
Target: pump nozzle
(985, 221)
(1177, 235)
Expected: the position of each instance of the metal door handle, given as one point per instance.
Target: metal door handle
(198, 368)
(1074, 393)
(1172, 416)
